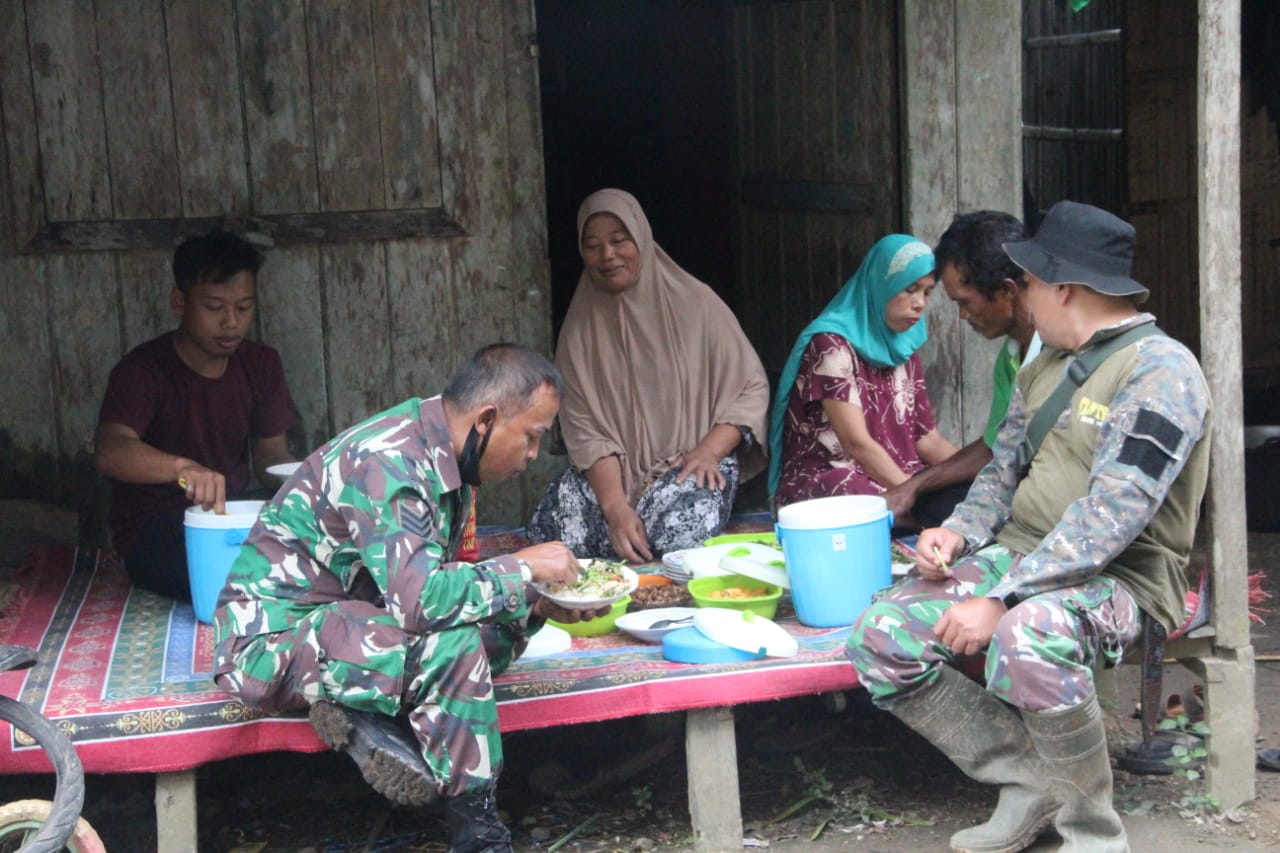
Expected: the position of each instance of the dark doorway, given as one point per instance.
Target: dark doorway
(635, 95)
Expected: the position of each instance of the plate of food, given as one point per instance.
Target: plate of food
(902, 558)
(668, 594)
(599, 583)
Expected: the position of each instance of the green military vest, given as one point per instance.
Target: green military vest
(1153, 566)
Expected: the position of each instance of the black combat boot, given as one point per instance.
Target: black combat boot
(474, 826)
(381, 746)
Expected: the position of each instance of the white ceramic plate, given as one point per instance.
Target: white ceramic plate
(572, 603)
(675, 559)
(638, 624)
(284, 470)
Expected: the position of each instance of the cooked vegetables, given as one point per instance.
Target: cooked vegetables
(597, 579)
(898, 554)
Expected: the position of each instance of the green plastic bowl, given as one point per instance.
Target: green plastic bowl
(598, 626)
(765, 537)
(762, 605)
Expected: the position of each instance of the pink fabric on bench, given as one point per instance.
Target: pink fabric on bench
(125, 673)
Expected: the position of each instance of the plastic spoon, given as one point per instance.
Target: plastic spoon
(662, 623)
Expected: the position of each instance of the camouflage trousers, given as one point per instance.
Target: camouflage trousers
(1041, 657)
(355, 653)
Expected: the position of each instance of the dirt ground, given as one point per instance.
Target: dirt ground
(817, 774)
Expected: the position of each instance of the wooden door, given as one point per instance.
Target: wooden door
(815, 116)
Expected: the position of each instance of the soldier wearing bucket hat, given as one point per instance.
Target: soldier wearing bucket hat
(1082, 244)
(1056, 552)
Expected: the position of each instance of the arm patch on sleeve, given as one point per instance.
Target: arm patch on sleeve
(1152, 444)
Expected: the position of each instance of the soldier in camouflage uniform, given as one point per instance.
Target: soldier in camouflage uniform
(346, 596)
(1054, 565)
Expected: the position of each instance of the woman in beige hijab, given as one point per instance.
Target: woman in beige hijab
(664, 404)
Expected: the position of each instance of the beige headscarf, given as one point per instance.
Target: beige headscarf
(649, 371)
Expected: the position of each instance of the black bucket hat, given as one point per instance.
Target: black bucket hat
(1081, 244)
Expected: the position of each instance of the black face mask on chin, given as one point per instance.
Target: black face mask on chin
(469, 459)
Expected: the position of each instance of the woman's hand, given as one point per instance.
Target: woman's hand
(701, 464)
(627, 534)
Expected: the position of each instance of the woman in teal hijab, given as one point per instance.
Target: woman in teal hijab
(852, 414)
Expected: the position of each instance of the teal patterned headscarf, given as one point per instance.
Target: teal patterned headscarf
(856, 313)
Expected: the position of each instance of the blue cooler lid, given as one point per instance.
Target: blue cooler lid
(689, 645)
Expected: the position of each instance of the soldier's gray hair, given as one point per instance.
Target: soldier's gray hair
(506, 375)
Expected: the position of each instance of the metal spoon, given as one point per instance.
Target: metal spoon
(663, 623)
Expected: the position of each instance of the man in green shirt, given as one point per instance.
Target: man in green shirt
(990, 291)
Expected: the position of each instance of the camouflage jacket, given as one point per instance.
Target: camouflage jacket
(1117, 483)
(375, 514)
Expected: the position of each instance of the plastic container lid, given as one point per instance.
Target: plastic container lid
(771, 572)
(706, 561)
(689, 645)
(746, 631)
(549, 640)
(239, 514)
(838, 511)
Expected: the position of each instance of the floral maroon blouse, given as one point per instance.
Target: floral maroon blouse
(894, 403)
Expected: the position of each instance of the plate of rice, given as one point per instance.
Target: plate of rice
(599, 583)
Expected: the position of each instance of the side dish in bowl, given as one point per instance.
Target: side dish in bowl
(737, 592)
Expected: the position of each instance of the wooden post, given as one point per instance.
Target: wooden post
(176, 830)
(1230, 768)
(715, 807)
(962, 140)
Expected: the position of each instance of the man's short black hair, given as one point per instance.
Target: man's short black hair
(504, 374)
(214, 257)
(974, 244)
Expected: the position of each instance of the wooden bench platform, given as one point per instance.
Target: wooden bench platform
(126, 674)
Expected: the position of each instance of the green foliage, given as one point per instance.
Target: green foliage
(643, 796)
(1186, 762)
(1133, 800)
(849, 805)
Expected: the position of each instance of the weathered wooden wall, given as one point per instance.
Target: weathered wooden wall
(816, 125)
(961, 152)
(389, 150)
(1160, 146)
(859, 119)
(1073, 104)
(1163, 171)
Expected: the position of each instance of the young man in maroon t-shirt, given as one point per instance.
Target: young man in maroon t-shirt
(187, 407)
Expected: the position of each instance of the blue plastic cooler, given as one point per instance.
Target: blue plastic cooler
(213, 542)
(837, 553)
